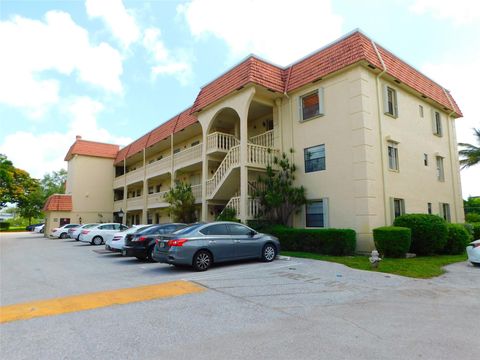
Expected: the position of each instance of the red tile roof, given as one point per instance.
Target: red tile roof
(351, 49)
(92, 148)
(58, 202)
(172, 126)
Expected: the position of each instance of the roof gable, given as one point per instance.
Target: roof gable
(92, 148)
(58, 202)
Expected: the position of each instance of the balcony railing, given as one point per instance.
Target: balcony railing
(231, 159)
(135, 203)
(265, 139)
(117, 205)
(260, 156)
(188, 156)
(197, 192)
(157, 199)
(219, 141)
(135, 176)
(159, 167)
(119, 182)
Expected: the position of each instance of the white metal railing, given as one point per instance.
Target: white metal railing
(191, 154)
(219, 141)
(260, 155)
(264, 139)
(197, 191)
(159, 167)
(135, 203)
(135, 176)
(231, 159)
(156, 198)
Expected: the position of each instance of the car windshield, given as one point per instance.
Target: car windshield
(188, 229)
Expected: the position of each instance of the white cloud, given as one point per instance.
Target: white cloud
(30, 48)
(459, 11)
(460, 75)
(42, 153)
(119, 20)
(164, 63)
(279, 30)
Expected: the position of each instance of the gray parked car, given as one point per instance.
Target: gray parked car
(200, 245)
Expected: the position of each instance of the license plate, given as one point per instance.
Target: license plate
(162, 244)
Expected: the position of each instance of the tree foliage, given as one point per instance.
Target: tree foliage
(182, 203)
(54, 183)
(470, 153)
(277, 195)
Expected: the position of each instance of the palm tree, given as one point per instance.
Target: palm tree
(470, 152)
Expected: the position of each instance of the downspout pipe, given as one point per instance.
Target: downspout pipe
(380, 131)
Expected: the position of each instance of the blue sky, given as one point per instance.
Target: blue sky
(111, 70)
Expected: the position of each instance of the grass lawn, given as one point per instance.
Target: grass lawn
(419, 267)
(14, 229)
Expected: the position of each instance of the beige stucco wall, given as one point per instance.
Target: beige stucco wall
(53, 218)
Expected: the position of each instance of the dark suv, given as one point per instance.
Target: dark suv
(141, 243)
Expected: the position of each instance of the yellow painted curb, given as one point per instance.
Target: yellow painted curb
(95, 300)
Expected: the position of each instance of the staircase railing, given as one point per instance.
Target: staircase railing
(264, 139)
(261, 155)
(231, 159)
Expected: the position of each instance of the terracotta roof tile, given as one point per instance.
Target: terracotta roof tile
(162, 132)
(92, 148)
(58, 202)
(184, 120)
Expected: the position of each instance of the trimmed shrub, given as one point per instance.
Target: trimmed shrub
(392, 241)
(228, 214)
(429, 232)
(4, 225)
(260, 225)
(457, 240)
(336, 242)
(476, 230)
(472, 218)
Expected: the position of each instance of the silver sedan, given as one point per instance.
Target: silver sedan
(200, 245)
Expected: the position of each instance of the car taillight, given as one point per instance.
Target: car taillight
(116, 238)
(177, 242)
(141, 238)
(85, 232)
(476, 245)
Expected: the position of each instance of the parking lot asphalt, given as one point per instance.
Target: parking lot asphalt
(297, 308)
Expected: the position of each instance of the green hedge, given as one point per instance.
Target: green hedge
(429, 232)
(476, 230)
(260, 225)
(4, 225)
(320, 241)
(457, 240)
(392, 241)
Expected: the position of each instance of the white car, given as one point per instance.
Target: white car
(101, 233)
(473, 252)
(39, 228)
(117, 242)
(62, 232)
(74, 233)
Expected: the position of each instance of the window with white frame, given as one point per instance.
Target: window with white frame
(314, 158)
(437, 124)
(445, 211)
(440, 169)
(315, 213)
(390, 100)
(398, 207)
(311, 105)
(392, 155)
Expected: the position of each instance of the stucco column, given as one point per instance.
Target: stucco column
(243, 164)
(204, 211)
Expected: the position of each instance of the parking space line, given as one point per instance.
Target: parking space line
(95, 300)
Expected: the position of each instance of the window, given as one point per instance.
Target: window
(139, 192)
(440, 171)
(315, 214)
(314, 158)
(311, 105)
(195, 143)
(398, 207)
(237, 229)
(445, 209)
(150, 189)
(425, 159)
(157, 188)
(420, 110)
(392, 155)
(429, 208)
(437, 123)
(219, 229)
(390, 99)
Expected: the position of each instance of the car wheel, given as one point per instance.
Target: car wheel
(202, 260)
(63, 235)
(150, 254)
(97, 240)
(269, 252)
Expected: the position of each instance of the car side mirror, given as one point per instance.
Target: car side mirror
(252, 233)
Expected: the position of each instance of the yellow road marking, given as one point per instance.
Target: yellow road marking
(95, 300)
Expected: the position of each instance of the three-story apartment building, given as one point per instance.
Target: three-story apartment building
(372, 138)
